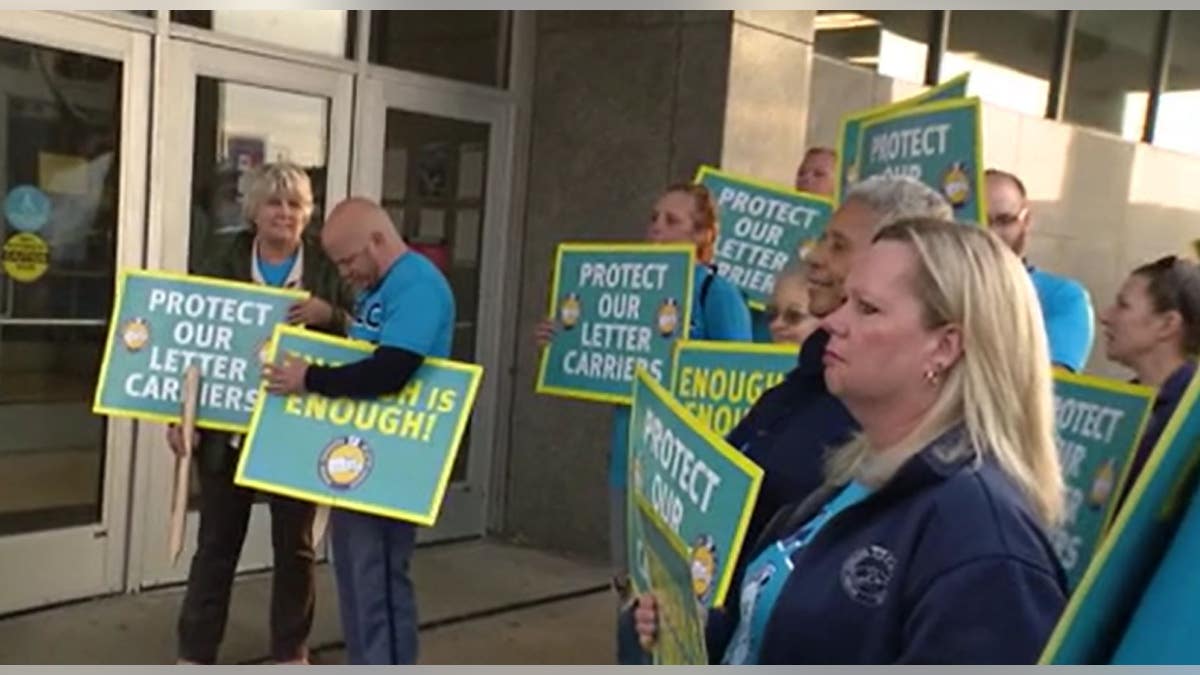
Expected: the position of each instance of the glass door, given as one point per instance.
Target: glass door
(437, 156)
(222, 113)
(74, 97)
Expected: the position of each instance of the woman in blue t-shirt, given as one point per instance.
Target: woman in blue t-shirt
(685, 213)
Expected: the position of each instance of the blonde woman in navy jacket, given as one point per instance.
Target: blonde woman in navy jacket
(927, 543)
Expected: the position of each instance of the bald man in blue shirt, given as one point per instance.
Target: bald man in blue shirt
(1066, 305)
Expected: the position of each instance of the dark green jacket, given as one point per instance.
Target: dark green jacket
(319, 277)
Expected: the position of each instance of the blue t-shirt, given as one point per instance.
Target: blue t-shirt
(1069, 318)
(761, 327)
(766, 576)
(276, 274)
(411, 308)
(723, 316)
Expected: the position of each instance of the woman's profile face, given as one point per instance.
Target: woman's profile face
(879, 348)
(1131, 326)
(672, 220)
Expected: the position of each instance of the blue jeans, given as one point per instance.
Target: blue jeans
(375, 595)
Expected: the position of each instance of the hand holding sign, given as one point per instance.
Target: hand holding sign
(287, 377)
(312, 311)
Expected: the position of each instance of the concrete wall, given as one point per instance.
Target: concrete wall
(1102, 205)
(625, 103)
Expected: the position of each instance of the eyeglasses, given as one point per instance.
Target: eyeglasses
(790, 316)
(1003, 219)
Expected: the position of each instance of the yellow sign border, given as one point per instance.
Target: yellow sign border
(427, 518)
(1086, 584)
(972, 102)
(595, 247)
(864, 115)
(122, 278)
(727, 451)
(768, 348)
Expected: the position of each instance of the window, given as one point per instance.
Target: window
(326, 31)
(1110, 73)
(895, 44)
(471, 46)
(1179, 104)
(1009, 54)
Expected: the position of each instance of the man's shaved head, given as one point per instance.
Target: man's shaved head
(360, 238)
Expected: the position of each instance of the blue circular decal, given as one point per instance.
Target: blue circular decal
(26, 208)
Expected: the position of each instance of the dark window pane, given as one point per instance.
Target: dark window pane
(471, 46)
(1110, 71)
(59, 180)
(895, 44)
(1009, 54)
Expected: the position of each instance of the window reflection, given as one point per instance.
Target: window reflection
(894, 44)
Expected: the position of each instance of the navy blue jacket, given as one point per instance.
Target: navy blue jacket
(788, 432)
(945, 564)
(1164, 406)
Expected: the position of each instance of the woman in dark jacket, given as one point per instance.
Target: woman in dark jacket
(927, 542)
(1153, 328)
(275, 252)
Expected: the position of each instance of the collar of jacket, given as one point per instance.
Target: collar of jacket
(941, 459)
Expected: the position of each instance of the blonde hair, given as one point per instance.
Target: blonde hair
(704, 217)
(1001, 388)
(276, 178)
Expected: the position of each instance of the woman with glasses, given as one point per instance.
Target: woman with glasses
(788, 317)
(1153, 329)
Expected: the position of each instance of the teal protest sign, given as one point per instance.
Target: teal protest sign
(616, 307)
(162, 323)
(762, 228)
(939, 144)
(1097, 614)
(663, 561)
(1099, 423)
(851, 128)
(701, 488)
(391, 456)
(718, 382)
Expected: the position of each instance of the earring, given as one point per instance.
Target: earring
(932, 376)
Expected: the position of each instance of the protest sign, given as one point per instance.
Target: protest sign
(701, 488)
(390, 456)
(163, 322)
(1163, 628)
(718, 382)
(616, 307)
(762, 228)
(851, 128)
(664, 563)
(1099, 423)
(1097, 614)
(939, 144)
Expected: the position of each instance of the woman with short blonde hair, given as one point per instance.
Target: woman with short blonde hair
(927, 543)
(274, 251)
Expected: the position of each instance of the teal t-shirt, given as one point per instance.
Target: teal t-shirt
(276, 274)
(768, 573)
(411, 308)
(761, 326)
(724, 316)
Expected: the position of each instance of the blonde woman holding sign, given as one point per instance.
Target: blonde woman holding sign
(274, 251)
(685, 213)
(927, 542)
